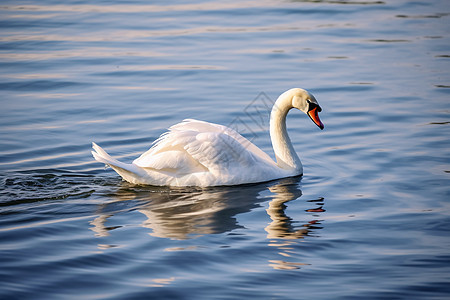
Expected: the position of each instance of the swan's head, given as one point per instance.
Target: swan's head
(307, 103)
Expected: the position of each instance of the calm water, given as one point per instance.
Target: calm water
(369, 219)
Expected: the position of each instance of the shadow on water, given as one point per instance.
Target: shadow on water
(190, 212)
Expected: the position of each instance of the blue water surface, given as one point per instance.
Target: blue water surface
(370, 218)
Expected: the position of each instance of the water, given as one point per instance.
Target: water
(369, 219)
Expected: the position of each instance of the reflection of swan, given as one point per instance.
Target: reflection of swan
(196, 153)
(281, 225)
(282, 228)
(186, 213)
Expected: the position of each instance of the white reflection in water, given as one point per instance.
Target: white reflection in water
(282, 227)
(184, 213)
(187, 213)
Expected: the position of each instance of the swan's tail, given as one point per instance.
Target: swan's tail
(129, 172)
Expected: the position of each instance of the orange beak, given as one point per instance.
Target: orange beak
(314, 115)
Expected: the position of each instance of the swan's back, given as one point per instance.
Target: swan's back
(207, 153)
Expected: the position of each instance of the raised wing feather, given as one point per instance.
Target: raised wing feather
(195, 146)
(201, 126)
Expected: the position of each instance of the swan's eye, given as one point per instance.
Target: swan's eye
(312, 105)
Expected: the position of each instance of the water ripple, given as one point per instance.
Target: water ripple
(369, 218)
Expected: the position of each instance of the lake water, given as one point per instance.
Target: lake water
(370, 218)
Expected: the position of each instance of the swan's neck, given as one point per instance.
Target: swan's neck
(282, 146)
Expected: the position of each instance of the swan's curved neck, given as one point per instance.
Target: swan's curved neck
(282, 146)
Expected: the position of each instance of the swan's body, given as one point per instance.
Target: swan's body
(197, 153)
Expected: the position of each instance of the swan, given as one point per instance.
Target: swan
(198, 153)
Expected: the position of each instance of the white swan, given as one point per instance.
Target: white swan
(197, 153)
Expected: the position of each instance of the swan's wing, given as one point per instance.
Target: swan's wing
(193, 146)
(169, 154)
(202, 126)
